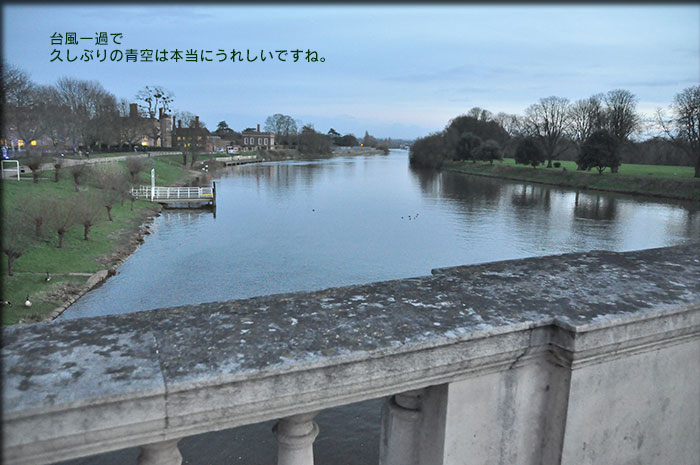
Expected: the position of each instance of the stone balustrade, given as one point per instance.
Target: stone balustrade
(582, 358)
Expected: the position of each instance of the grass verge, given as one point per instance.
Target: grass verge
(674, 182)
(71, 266)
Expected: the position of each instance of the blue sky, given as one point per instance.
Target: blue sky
(396, 71)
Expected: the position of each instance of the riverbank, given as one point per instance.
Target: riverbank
(293, 154)
(79, 265)
(670, 182)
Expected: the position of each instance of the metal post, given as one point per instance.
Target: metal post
(153, 182)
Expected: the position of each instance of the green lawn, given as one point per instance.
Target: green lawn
(659, 180)
(76, 255)
(626, 169)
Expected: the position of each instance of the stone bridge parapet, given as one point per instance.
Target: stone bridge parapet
(579, 358)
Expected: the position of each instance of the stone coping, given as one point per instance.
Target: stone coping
(271, 353)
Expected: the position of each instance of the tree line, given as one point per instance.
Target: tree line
(309, 141)
(81, 112)
(89, 117)
(595, 132)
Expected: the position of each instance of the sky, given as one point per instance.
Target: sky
(400, 71)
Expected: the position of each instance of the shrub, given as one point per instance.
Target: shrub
(528, 152)
(599, 151)
(557, 164)
(428, 151)
(489, 151)
(466, 147)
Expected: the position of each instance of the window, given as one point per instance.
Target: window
(266, 141)
(259, 140)
(245, 140)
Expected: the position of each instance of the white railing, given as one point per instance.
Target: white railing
(14, 170)
(172, 193)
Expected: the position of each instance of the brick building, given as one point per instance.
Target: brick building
(255, 140)
(196, 137)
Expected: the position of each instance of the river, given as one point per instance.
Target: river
(305, 225)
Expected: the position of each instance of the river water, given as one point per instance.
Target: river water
(294, 226)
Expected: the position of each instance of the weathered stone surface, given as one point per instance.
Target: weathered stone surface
(47, 365)
(578, 289)
(216, 365)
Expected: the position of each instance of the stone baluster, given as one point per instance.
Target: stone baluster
(401, 424)
(295, 439)
(160, 453)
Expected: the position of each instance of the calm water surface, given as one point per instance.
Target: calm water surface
(295, 226)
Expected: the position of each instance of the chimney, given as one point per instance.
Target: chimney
(196, 121)
(258, 127)
(133, 110)
(179, 124)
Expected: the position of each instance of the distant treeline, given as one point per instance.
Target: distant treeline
(83, 115)
(309, 141)
(595, 132)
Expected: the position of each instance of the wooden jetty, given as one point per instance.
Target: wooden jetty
(238, 160)
(178, 197)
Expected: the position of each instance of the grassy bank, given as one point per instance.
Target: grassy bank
(72, 265)
(674, 182)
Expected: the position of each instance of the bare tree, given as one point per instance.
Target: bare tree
(134, 166)
(87, 211)
(511, 123)
(34, 163)
(684, 127)
(78, 172)
(103, 126)
(57, 165)
(480, 114)
(88, 107)
(281, 125)
(586, 116)
(54, 115)
(154, 99)
(548, 121)
(22, 106)
(37, 212)
(130, 128)
(186, 118)
(62, 217)
(620, 114)
(114, 185)
(16, 239)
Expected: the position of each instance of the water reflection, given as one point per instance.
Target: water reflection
(595, 207)
(540, 217)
